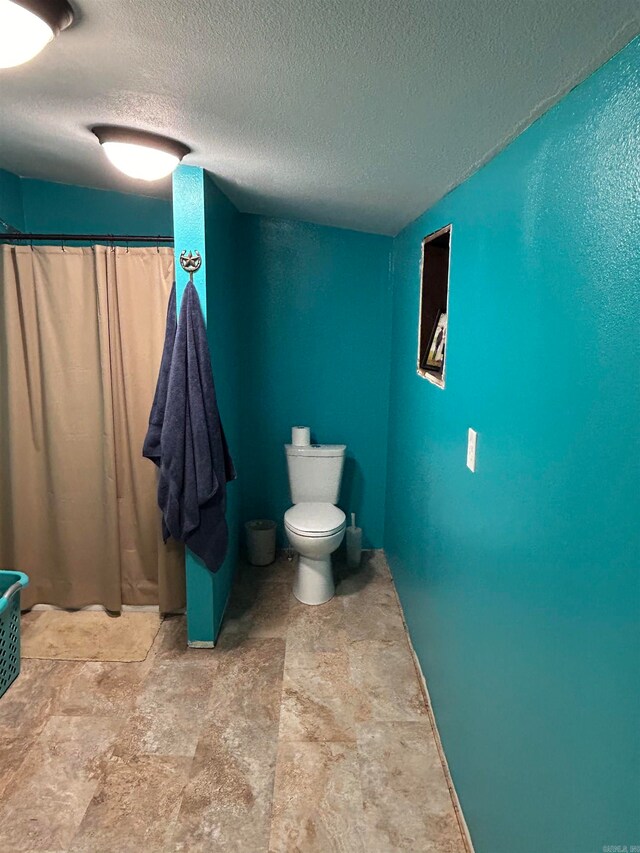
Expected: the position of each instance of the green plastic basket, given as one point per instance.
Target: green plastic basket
(10, 585)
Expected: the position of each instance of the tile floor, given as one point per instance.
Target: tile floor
(304, 730)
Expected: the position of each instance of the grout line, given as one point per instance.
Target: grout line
(455, 801)
(100, 608)
(278, 739)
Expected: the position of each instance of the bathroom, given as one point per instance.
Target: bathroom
(471, 682)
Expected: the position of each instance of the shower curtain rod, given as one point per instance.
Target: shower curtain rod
(20, 236)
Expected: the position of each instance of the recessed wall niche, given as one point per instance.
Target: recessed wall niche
(434, 299)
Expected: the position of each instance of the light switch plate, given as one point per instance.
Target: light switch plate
(472, 442)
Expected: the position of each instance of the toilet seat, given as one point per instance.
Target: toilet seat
(314, 519)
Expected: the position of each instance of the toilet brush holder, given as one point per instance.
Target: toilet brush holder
(354, 544)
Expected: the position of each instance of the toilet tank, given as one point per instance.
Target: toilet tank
(315, 472)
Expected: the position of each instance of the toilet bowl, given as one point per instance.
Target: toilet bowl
(314, 524)
(315, 530)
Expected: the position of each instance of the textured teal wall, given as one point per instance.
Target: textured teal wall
(225, 307)
(11, 210)
(316, 338)
(51, 207)
(44, 206)
(207, 222)
(521, 582)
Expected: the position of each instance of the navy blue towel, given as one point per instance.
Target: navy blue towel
(186, 440)
(151, 446)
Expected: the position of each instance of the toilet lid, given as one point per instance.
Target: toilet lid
(314, 519)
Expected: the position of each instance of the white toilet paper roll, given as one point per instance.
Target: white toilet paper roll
(300, 436)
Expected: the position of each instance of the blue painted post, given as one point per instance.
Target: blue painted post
(189, 229)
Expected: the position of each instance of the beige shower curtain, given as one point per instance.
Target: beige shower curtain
(81, 334)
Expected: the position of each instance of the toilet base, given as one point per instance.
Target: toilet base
(314, 580)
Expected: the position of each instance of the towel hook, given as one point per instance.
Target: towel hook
(190, 263)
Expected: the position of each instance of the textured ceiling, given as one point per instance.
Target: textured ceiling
(358, 113)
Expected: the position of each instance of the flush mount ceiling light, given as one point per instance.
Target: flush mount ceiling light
(141, 155)
(27, 26)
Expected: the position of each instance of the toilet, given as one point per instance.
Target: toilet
(314, 524)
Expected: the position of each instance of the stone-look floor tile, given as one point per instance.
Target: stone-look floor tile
(317, 800)
(373, 570)
(170, 710)
(407, 805)
(373, 592)
(102, 689)
(316, 629)
(247, 681)
(257, 610)
(281, 570)
(226, 804)
(319, 702)
(135, 807)
(27, 619)
(376, 563)
(171, 642)
(282, 697)
(385, 675)
(54, 784)
(373, 614)
(13, 751)
(30, 700)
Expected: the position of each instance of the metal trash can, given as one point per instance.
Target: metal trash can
(10, 585)
(261, 541)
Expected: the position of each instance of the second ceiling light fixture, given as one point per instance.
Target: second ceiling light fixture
(26, 27)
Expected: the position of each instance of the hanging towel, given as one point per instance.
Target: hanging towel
(186, 439)
(151, 447)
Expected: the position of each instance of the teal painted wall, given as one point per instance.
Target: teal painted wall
(521, 582)
(316, 338)
(51, 207)
(225, 307)
(207, 222)
(11, 210)
(44, 206)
